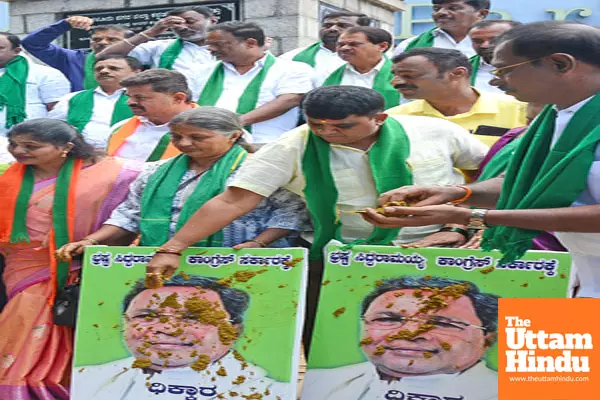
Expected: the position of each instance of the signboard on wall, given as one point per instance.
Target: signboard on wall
(142, 18)
(416, 18)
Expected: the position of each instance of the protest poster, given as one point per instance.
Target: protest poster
(418, 324)
(227, 324)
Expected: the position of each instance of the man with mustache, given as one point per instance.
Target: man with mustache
(263, 90)
(438, 354)
(323, 56)
(363, 49)
(182, 351)
(482, 36)
(441, 81)
(94, 111)
(155, 96)
(453, 19)
(76, 65)
(183, 54)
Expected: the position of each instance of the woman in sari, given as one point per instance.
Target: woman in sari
(168, 192)
(58, 190)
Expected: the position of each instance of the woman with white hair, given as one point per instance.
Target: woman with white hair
(168, 192)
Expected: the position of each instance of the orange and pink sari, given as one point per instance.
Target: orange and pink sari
(35, 354)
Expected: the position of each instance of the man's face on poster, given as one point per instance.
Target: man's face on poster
(164, 328)
(454, 342)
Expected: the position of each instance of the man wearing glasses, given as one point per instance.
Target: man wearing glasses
(552, 180)
(415, 345)
(181, 339)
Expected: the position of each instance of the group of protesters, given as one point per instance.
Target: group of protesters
(478, 133)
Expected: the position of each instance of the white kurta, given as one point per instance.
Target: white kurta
(284, 77)
(326, 61)
(44, 85)
(97, 131)
(442, 40)
(118, 381)
(362, 382)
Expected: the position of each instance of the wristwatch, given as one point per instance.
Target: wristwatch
(477, 219)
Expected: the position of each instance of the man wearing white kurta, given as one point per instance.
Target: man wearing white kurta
(265, 91)
(322, 56)
(176, 351)
(108, 71)
(155, 96)
(482, 35)
(452, 18)
(44, 86)
(183, 54)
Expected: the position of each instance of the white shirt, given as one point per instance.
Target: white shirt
(98, 130)
(583, 247)
(437, 147)
(118, 381)
(362, 382)
(44, 85)
(188, 61)
(443, 40)
(284, 77)
(483, 78)
(353, 77)
(144, 140)
(326, 61)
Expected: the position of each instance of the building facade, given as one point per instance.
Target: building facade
(292, 23)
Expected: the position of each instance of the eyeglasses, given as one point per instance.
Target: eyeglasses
(502, 71)
(439, 322)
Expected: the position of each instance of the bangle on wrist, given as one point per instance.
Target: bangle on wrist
(166, 250)
(94, 242)
(259, 242)
(467, 195)
(463, 232)
(144, 34)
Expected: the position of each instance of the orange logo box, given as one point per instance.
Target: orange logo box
(549, 349)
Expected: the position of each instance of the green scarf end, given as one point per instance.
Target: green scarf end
(19, 237)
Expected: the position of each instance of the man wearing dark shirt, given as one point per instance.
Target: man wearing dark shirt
(72, 63)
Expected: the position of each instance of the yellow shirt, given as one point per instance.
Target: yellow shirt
(491, 109)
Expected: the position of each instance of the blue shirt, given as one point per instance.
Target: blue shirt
(69, 62)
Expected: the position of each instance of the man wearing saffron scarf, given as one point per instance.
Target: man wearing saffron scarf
(94, 111)
(364, 48)
(263, 90)
(482, 36)
(322, 55)
(76, 65)
(27, 90)
(552, 181)
(155, 96)
(453, 19)
(184, 54)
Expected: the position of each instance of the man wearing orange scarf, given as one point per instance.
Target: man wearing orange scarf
(155, 97)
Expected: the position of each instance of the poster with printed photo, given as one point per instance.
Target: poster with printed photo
(227, 325)
(418, 324)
